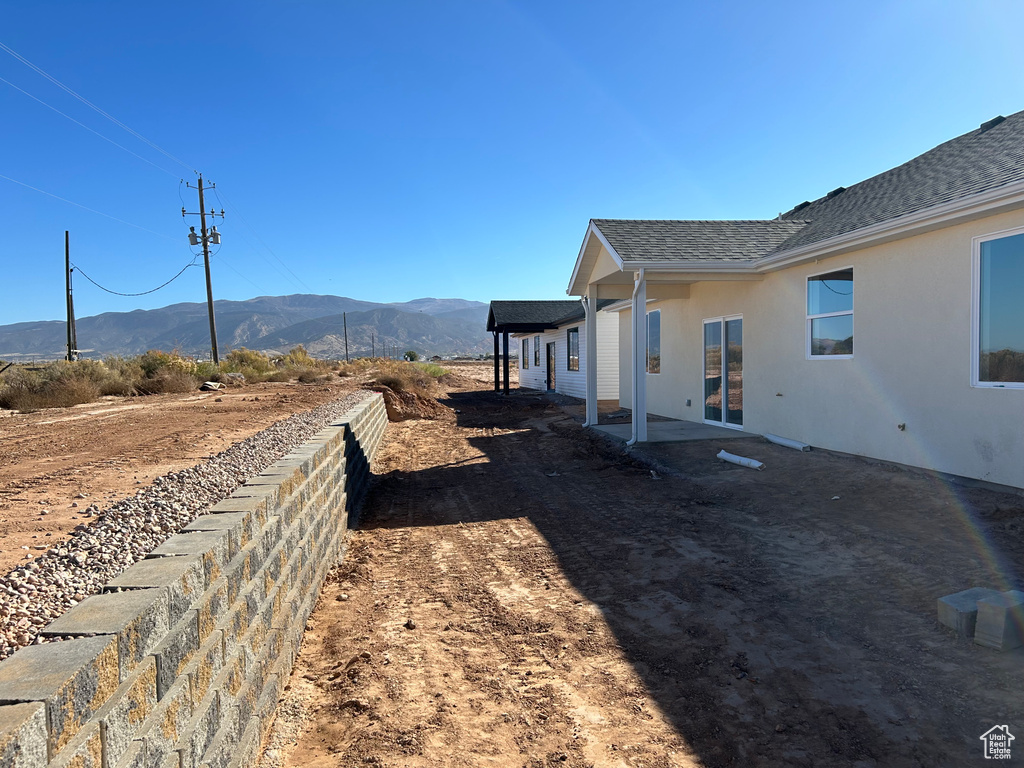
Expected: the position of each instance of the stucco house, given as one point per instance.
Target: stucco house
(551, 341)
(885, 319)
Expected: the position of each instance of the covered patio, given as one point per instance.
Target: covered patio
(505, 317)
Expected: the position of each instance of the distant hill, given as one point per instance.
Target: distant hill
(266, 323)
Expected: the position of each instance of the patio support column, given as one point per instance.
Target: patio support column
(590, 313)
(497, 362)
(504, 339)
(639, 354)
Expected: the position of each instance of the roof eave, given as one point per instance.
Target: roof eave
(725, 266)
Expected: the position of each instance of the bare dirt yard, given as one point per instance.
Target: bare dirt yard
(521, 593)
(57, 463)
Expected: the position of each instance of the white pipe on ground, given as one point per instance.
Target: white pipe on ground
(785, 441)
(741, 460)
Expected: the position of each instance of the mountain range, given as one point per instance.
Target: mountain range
(271, 324)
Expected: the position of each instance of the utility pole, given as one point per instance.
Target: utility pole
(72, 332)
(213, 236)
(344, 323)
(373, 346)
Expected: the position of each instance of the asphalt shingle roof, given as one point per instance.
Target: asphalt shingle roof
(637, 240)
(515, 316)
(983, 159)
(975, 162)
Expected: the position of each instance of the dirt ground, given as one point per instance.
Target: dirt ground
(521, 593)
(56, 463)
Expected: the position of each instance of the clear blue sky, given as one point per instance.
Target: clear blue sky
(393, 150)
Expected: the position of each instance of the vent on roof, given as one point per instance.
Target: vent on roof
(834, 192)
(801, 206)
(992, 123)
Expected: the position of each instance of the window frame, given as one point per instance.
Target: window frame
(722, 321)
(524, 358)
(536, 351)
(809, 318)
(976, 243)
(569, 356)
(647, 331)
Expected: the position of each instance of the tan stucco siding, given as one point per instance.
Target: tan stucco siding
(911, 363)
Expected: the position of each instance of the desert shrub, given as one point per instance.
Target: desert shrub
(431, 369)
(152, 361)
(299, 358)
(125, 373)
(310, 376)
(207, 371)
(168, 380)
(29, 391)
(242, 360)
(281, 375)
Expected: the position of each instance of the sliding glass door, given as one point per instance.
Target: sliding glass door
(723, 371)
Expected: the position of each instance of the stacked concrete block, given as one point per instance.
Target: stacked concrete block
(1001, 621)
(182, 659)
(959, 611)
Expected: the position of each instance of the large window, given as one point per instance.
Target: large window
(536, 351)
(572, 354)
(654, 341)
(999, 311)
(525, 357)
(830, 314)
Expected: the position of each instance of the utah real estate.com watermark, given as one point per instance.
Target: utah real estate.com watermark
(997, 742)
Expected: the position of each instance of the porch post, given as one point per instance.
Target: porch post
(497, 362)
(639, 328)
(590, 313)
(504, 339)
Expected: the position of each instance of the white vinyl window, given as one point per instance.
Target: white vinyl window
(525, 357)
(654, 341)
(536, 351)
(998, 317)
(572, 355)
(830, 315)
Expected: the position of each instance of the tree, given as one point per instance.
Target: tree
(411, 356)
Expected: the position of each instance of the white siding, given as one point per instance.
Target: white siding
(574, 383)
(607, 355)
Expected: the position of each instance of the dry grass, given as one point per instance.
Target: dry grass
(56, 394)
(401, 376)
(63, 384)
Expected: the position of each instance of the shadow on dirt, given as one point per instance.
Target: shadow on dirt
(766, 634)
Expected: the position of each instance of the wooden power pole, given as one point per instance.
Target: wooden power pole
(206, 237)
(72, 332)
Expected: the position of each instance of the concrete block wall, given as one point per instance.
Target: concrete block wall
(180, 662)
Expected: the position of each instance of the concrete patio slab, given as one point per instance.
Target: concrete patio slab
(675, 431)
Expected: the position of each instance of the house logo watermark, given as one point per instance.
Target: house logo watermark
(997, 742)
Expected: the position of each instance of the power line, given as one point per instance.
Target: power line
(141, 293)
(86, 208)
(83, 125)
(252, 229)
(92, 106)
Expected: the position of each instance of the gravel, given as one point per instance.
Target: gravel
(37, 592)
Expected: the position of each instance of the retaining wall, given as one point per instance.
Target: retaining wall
(180, 662)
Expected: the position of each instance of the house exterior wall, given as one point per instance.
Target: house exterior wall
(911, 364)
(574, 383)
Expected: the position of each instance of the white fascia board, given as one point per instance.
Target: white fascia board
(936, 217)
(592, 230)
(692, 265)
